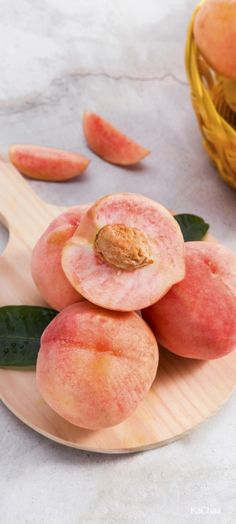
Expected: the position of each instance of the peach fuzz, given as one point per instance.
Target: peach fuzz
(46, 267)
(46, 163)
(95, 366)
(215, 35)
(109, 143)
(126, 254)
(197, 318)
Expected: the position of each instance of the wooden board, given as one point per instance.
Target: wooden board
(185, 393)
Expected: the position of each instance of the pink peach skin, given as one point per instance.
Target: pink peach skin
(109, 143)
(215, 35)
(95, 366)
(46, 163)
(118, 289)
(197, 318)
(46, 267)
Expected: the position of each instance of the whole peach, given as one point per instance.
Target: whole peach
(197, 317)
(215, 35)
(94, 366)
(46, 267)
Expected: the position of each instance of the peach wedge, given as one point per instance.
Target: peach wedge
(46, 163)
(95, 366)
(126, 254)
(109, 143)
(46, 268)
(197, 318)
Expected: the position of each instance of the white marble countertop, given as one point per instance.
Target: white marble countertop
(124, 60)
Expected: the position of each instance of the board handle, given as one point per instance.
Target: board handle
(20, 208)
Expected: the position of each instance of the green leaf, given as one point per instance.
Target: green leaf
(20, 330)
(192, 226)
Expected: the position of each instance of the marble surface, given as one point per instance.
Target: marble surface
(124, 60)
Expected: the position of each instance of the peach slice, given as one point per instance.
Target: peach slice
(95, 366)
(126, 254)
(197, 318)
(46, 163)
(47, 271)
(109, 143)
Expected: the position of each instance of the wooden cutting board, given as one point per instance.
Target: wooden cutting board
(185, 393)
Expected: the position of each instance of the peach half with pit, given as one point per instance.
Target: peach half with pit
(95, 366)
(46, 267)
(197, 318)
(47, 163)
(111, 144)
(127, 252)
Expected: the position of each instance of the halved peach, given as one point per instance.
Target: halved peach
(46, 163)
(95, 366)
(197, 318)
(47, 271)
(109, 143)
(126, 254)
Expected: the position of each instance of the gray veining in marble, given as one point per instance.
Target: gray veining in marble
(124, 60)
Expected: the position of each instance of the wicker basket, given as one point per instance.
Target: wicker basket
(216, 120)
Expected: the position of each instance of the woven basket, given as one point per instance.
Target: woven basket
(216, 120)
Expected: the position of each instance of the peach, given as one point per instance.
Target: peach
(197, 318)
(215, 34)
(47, 271)
(126, 254)
(109, 143)
(95, 366)
(46, 163)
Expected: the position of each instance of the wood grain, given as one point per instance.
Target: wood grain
(185, 393)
